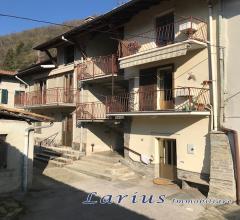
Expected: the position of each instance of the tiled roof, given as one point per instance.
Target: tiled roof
(8, 73)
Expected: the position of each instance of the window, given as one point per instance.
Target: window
(69, 54)
(4, 96)
(3, 151)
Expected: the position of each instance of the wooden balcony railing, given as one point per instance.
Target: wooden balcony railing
(179, 99)
(53, 96)
(181, 30)
(97, 66)
(91, 111)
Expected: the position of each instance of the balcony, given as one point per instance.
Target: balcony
(91, 111)
(167, 41)
(178, 101)
(47, 98)
(97, 67)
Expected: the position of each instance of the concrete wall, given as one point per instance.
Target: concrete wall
(11, 85)
(11, 177)
(145, 131)
(230, 35)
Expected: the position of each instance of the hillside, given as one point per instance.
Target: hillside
(16, 49)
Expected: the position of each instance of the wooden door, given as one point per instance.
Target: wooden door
(165, 29)
(68, 88)
(43, 91)
(168, 159)
(165, 88)
(67, 130)
(148, 90)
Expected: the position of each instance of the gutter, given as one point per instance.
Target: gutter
(26, 154)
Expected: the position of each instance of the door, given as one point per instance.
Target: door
(148, 90)
(168, 159)
(67, 130)
(165, 88)
(165, 29)
(43, 91)
(68, 88)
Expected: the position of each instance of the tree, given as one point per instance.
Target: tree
(9, 61)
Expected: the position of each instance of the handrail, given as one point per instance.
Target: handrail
(44, 140)
(195, 29)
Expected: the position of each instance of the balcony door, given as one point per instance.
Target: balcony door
(165, 29)
(67, 130)
(68, 88)
(167, 159)
(148, 90)
(43, 91)
(165, 88)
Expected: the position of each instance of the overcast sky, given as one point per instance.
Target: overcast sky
(56, 11)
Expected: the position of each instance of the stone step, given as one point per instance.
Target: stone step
(99, 161)
(112, 158)
(63, 160)
(105, 168)
(90, 172)
(51, 163)
(66, 150)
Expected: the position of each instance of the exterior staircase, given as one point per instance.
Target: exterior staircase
(56, 156)
(104, 165)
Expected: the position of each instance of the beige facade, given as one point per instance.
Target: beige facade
(11, 177)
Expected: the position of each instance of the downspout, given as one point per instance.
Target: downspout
(81, 129)
(26, 152)
(236, 146)
(213, 70)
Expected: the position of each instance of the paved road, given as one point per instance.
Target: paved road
(59, 195)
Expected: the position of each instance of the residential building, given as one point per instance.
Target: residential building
(147, 76)
(16, 148)
(9, 87)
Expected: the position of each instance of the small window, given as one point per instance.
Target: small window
(4, 96)
(3, 151)
(69, 54)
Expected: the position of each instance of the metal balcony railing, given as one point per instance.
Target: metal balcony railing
(91, 111)
(53, 96)
(181, 30)
(178, 99)
(97, 66)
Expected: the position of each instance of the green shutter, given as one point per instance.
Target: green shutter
(4, 96)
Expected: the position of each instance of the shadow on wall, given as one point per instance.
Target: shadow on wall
(112, 137)
(11, 169)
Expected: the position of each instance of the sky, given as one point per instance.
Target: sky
(56, 11)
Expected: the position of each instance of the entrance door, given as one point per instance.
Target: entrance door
(168, 159)
(165, 88)
(148, 90)
(68, 88)
(67, 131)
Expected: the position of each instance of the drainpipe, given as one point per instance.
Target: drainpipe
(25, 153)
(81, 129)
(21, 81)
(50, 66)
(213, 70)
(66, 40)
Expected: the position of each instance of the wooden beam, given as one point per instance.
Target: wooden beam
(50, 57)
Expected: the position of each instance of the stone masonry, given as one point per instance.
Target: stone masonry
(222, 178)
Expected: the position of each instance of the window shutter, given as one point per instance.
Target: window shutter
(4, 99)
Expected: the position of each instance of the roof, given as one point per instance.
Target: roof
(21, 115)
(114, 18)
(34, 68)
(7, 73)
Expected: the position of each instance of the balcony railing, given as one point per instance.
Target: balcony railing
(179, 99)
(181, 30)
(91, 111)
(97, 66)
(53, 96)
